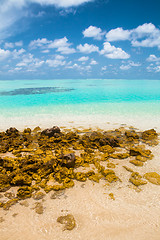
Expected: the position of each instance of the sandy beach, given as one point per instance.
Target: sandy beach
(115, 211)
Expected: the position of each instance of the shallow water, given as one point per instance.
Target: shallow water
(46, 99)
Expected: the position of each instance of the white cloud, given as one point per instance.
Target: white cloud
(87, 48)
(55, 63)
(104, 68)
(59, 57)
(112, 52)
(29, 62)
(39, 43)
(93, 62)
(145, 35)
(129, 65)
(19, 44)
(61, 3)
(151, 68)
(94, 32)
(16, 53)
(133, 64)
(45, 51)
(125, 67)
(62, 45)
(118, 34)
(8, 45)
(157, 69)
(11, 11)
(83, 59)
(4, 54)
(153, 58)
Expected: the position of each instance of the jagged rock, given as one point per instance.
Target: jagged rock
(136, 179)
(12, 132)
(22, 179)
(149, 134)
(50, 132)
(24, 192)
(68, 160)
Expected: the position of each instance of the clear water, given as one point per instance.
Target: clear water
(79, 96)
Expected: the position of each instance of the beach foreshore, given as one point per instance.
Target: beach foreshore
(103, 121)
(111, 208)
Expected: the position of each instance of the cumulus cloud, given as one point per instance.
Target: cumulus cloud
(87, 48)
(94, 32)
(61, 45)
(83, 59)
(104, 68)
(39, 43)
(4, 54)
(129, 65)
(93, 62)
(30, 62)
(55, 63)
(112, 52)
(145, 35)
(12, 45)
(118, 34)
(153, 58)
(125, 67)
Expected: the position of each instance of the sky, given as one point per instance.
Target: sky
(52, 39)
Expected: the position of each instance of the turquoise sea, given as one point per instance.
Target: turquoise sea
(79, 97)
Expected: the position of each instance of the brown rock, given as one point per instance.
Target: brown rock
(51, 131)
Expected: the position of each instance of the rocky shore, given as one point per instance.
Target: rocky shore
(36, 162)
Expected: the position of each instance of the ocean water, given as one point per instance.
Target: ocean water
(79, 97)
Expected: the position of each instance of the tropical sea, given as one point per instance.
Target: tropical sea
(80, 101)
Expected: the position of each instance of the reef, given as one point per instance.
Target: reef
(37, 162)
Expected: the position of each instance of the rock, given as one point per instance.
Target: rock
(39, 208)
(136, 179)
(119, 155)
(57, 195)
(80, 176)
(24, 203)
(111, 195)
(13, 132)
(38, 195)
(110, 175)
(8, 204)
(9, 195)
(51, 131)
(149, 134)
(22, 179)
(68, 160)
(131, 135)
(111, 165)
(153, 177)
(68, 221)
(1, 219)
(24, 192)
(135, 151)
(136, 163)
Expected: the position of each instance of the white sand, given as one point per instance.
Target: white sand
(70, 121)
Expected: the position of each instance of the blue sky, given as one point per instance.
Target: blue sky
(47, 39)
